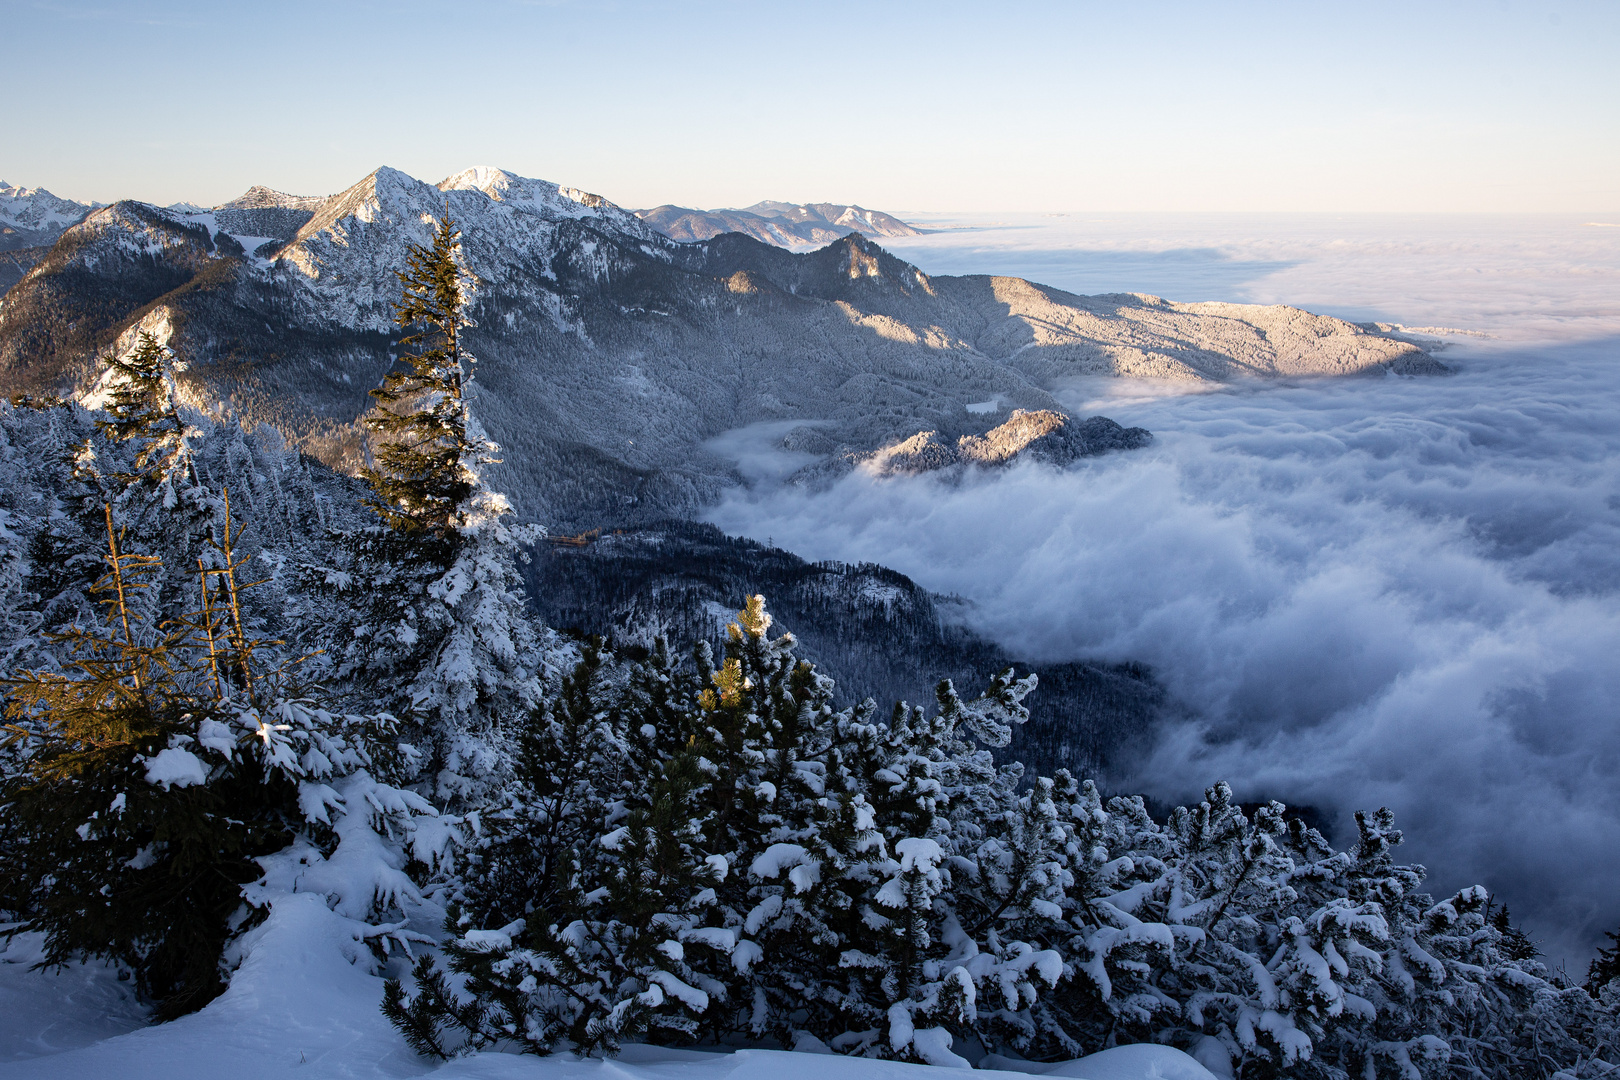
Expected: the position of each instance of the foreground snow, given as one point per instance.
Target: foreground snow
(48, 1013)
(303, 1004)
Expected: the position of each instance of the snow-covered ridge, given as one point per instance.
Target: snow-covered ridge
(789, 225)
(609, 345)
(135, 228)
(342, 261)
(36, 208)
(503, 186)
(30, 217)
(259, 197)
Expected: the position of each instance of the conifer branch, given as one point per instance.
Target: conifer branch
(208, 628)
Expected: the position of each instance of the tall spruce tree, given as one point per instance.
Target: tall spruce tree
(440, 634)
(423, 470)
(141, 407)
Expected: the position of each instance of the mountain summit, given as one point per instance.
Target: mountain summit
(790, 225)
(33, 217)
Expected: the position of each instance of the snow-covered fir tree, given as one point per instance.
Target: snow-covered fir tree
(436, 628)
(165, 754)
(713, 853)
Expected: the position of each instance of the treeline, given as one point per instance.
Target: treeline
(712, 853)
(870, 628)
(231, 676)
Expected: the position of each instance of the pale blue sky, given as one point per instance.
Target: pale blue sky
(1494, 106)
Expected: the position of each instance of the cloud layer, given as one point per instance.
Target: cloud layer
(1398, 592)
(1528, 277)
(1392, 592)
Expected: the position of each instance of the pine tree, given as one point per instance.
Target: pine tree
(1515, 943)
(141, 406)
(1605, 966)
(733, 861)
(159, 762)
(439, 633)
(127, 850)
(424, 464)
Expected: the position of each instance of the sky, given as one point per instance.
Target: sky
(1486, 106)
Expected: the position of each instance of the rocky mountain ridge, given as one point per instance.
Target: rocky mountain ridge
(610, 358)
(33, 217)
(1040, 435)
(789, 225)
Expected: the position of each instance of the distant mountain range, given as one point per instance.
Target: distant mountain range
(31, 220)
(33, 217)
(789, 225)
(611, 358)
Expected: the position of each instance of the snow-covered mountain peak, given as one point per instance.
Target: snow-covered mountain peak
(34, 217)
(509, 224)
(549, 199)
(366, 200)
(486, 178)
(259, 197)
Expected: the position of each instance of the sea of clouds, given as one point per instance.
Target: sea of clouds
(1365, 592)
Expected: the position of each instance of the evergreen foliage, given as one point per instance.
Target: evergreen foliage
(423, 473)
(436, 630)
(710, 852)
(164, 776)
(139, 405)
(124, 757)
(226, 683)
(1605, 966)
(1516, 944)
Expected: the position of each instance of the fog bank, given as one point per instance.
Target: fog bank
(1367, 592)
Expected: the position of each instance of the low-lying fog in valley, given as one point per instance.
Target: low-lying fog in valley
(1394, 591)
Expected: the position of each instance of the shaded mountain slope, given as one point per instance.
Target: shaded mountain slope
(873, 630)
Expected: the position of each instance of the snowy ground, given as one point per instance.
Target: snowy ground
(303, 1005)
(44, 1014)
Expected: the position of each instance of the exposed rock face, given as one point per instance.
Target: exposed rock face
(609, 356)
(1039, 435)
